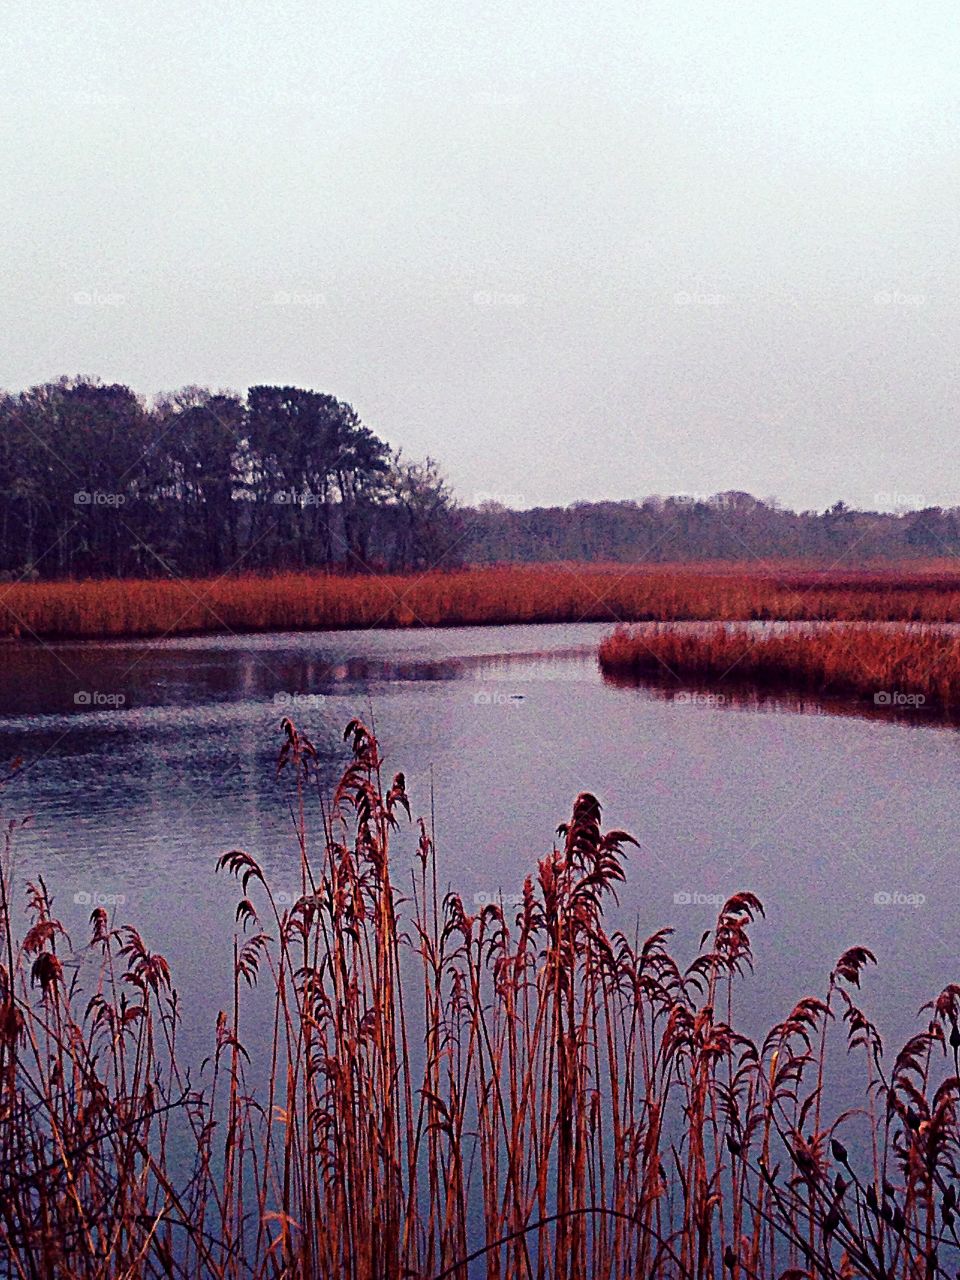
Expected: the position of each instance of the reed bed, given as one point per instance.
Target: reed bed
(923, 592)
(905, 668)
(454, 1093)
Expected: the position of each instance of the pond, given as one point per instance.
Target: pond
(146, 761)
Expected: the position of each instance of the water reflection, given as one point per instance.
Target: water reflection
(741, 695)
(497, 730)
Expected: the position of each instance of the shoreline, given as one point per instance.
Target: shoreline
(900, 671)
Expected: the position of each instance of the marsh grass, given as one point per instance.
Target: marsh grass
(900, 668)
(448, 1093)
(923, 591)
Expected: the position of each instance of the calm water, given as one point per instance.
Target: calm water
(816, 813)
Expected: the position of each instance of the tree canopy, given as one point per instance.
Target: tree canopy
(96, 482)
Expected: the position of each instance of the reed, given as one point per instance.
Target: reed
(900, 668)
(920, 592)
(453, 1093)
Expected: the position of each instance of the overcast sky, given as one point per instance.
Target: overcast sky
(573, 251)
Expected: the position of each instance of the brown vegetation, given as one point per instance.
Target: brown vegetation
(535, 1094)
(550, 593)
(898, 667)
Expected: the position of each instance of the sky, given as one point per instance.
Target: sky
(573, 252)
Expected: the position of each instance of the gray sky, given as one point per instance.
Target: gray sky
(572, 251)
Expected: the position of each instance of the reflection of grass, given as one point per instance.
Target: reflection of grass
(513, 1083)
(542, 593)
(902, 669)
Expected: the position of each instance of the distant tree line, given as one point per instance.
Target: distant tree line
(96, 482)
(727, 526)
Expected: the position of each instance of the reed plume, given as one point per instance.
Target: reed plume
(450, 1092)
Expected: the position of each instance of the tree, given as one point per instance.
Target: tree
(79, 449)
(295, 441)
(197, 475)
(428, 528)
(363, 483)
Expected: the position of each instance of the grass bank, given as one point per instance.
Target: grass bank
(551, 593)
(455, 1089)
(901, 668)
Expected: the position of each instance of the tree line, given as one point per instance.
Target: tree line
(95, 481)
(730, 526)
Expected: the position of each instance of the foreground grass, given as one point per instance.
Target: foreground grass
(454, 1092)
(925, 591)
(899, 668)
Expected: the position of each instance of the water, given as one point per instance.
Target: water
(846, 827)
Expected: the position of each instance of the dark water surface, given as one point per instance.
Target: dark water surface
(848, 828)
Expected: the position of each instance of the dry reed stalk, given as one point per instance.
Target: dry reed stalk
(906, 668)
(923, 591)
(447, 1094)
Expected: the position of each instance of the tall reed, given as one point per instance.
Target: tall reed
(901, 668)
(451, 1093)
(922, 591)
